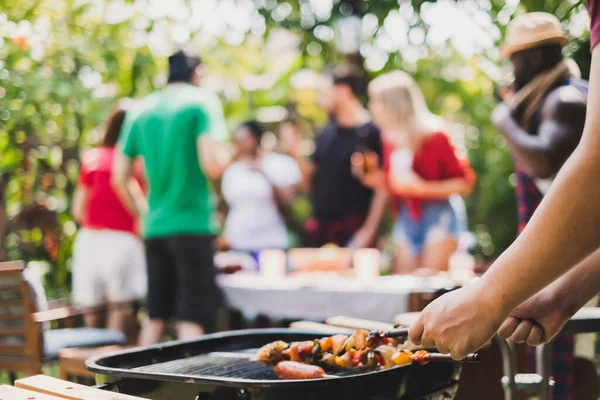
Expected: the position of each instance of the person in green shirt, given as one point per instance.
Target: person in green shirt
(178, 132)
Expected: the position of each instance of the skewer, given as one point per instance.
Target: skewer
(438, 357)
(396, 333)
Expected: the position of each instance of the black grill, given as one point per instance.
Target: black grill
(224, 365)
(212, 366)
(220, 367)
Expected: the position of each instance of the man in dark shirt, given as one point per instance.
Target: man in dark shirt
(346, 213)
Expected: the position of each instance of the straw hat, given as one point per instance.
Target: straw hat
(530, 31)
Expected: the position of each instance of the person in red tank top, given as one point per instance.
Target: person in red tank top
(108, 256)
(422, 173)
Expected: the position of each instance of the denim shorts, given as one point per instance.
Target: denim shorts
(438, 219)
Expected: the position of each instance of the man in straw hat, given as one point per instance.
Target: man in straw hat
(546, 266)
(542, 120)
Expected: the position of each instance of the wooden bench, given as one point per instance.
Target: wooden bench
(71, 361)
(52, 388)
(13, 393)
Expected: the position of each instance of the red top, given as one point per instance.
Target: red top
(103, 210)
(435, 160)
(595, 26)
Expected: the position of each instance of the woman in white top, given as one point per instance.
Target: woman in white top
(258, 187)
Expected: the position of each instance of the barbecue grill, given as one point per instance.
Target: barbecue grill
(219, 366)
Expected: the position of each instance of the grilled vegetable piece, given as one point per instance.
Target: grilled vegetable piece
(326, 343)
(374, 339)
(345, 360)
(420, 357)
(360, 358)
(305, 349)
(337, 345)
(272, 353)
(328, 360)
(296, 370)
(360, 338)
(371, 362)
(291, 353)
(385, 352)
(402, 357)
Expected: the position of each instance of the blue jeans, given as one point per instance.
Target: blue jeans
(438, 220)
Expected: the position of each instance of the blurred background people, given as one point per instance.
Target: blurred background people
(542, 119)
(422, 172)
(258, 188)
(291, 136)
(345, 212)
(108, 257)
(178, 133)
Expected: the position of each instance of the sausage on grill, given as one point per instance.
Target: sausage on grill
(296, 370)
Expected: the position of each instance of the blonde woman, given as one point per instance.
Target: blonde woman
(421, 171)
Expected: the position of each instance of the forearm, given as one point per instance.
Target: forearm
(127, 197)
(569, 211)
(378, 205)
(574, 289)
(216, 165)
(283, 195)
(528, 150)
(213, 157)
(79, 204)
(307, 169)
(139, 198)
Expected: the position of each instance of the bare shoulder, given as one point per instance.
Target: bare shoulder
(565, 101)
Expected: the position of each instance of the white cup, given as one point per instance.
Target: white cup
(366, 264)
(272, 263)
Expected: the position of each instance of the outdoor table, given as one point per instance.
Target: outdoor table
(313, 299)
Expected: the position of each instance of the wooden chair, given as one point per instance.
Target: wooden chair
(26, 343)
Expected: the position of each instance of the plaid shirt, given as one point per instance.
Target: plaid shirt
(528, 197)
(563, 368)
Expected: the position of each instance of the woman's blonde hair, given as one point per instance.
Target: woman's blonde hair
(403, 105)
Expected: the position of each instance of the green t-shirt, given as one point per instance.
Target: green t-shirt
(163, 129)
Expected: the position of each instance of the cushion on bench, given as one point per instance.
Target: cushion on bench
(56, 339)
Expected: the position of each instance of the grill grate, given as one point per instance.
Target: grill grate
(221, 365)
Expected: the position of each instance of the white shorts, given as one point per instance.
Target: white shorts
(108, 266)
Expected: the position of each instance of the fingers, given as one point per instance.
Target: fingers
(458, 355)
(522, 331)
(535, 336)
(442, 348)
(508, 327)
(427, 342)
(415, 332)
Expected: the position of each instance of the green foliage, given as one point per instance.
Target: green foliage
(63, 66)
